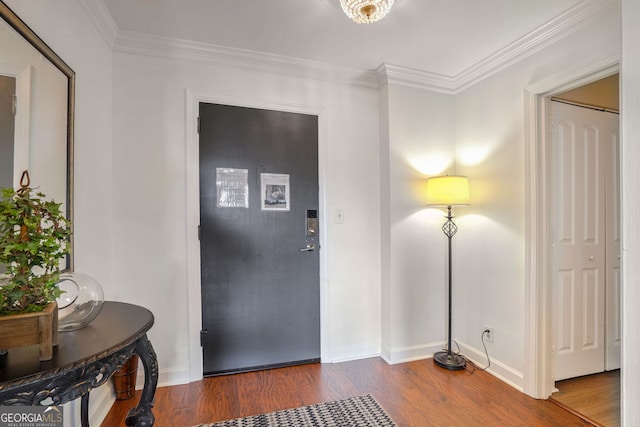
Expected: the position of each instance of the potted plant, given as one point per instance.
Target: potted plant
(33, 241)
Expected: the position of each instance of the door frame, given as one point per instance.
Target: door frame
(538, 335)
(193, 100)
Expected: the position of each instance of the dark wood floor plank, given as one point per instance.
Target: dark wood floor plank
(415, 394)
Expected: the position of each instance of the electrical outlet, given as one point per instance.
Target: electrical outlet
(488, 333)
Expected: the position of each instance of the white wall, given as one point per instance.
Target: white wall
(630, 156)
(420, 143)
(150, 187)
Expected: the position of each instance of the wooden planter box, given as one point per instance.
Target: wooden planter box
(19, 330)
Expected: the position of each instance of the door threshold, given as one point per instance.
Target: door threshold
(576, 413)
(261, 367)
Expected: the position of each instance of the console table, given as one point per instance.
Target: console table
(83, 360)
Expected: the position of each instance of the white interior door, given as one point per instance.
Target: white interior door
(583, 237)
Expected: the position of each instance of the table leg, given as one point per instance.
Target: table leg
(141, 415)
(84, 410)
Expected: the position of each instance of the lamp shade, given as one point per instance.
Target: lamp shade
(448, 190)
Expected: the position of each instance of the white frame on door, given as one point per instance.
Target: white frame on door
(538, 368)
(193, 100)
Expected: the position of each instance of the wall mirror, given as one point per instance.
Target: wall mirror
(36, 114)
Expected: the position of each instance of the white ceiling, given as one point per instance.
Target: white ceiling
(443, 37)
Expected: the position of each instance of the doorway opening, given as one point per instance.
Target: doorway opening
(538, 375)
(583, 128)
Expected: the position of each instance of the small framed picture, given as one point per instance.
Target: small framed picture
(275, 192)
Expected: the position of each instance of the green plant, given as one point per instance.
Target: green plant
(33, 240)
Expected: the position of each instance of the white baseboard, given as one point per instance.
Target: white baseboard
(166, 377)
(102, 398)
(498, 369)
(355, 352)
(409, 354)
(100, 402)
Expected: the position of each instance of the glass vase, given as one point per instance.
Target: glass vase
(80, 302)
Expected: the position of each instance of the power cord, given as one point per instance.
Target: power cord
(474, 366)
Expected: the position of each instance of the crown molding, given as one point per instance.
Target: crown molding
(102, 19)
(151, 45)
(579, 74)
(393, 74)
(552, 31)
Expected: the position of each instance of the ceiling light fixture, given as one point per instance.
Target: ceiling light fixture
(366, 11)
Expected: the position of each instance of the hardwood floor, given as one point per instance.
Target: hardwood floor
(414, 394)
(595, 397)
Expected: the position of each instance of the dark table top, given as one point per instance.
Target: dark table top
(117, 326)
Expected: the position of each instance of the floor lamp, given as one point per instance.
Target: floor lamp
(449, 191)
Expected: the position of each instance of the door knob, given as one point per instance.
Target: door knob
(309, 248)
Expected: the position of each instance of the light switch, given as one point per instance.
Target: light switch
(338, 216)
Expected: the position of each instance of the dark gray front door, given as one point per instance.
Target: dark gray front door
(260, 293)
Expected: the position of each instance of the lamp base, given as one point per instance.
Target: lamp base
(451, 361)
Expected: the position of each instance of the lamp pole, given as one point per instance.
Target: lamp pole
(448, 359)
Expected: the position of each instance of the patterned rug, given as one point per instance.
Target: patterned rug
(362, 411)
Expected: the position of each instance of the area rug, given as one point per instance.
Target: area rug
(358, 411)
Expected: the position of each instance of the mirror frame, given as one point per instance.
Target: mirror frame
(27, 33)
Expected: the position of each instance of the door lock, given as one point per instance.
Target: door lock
(311, 223)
